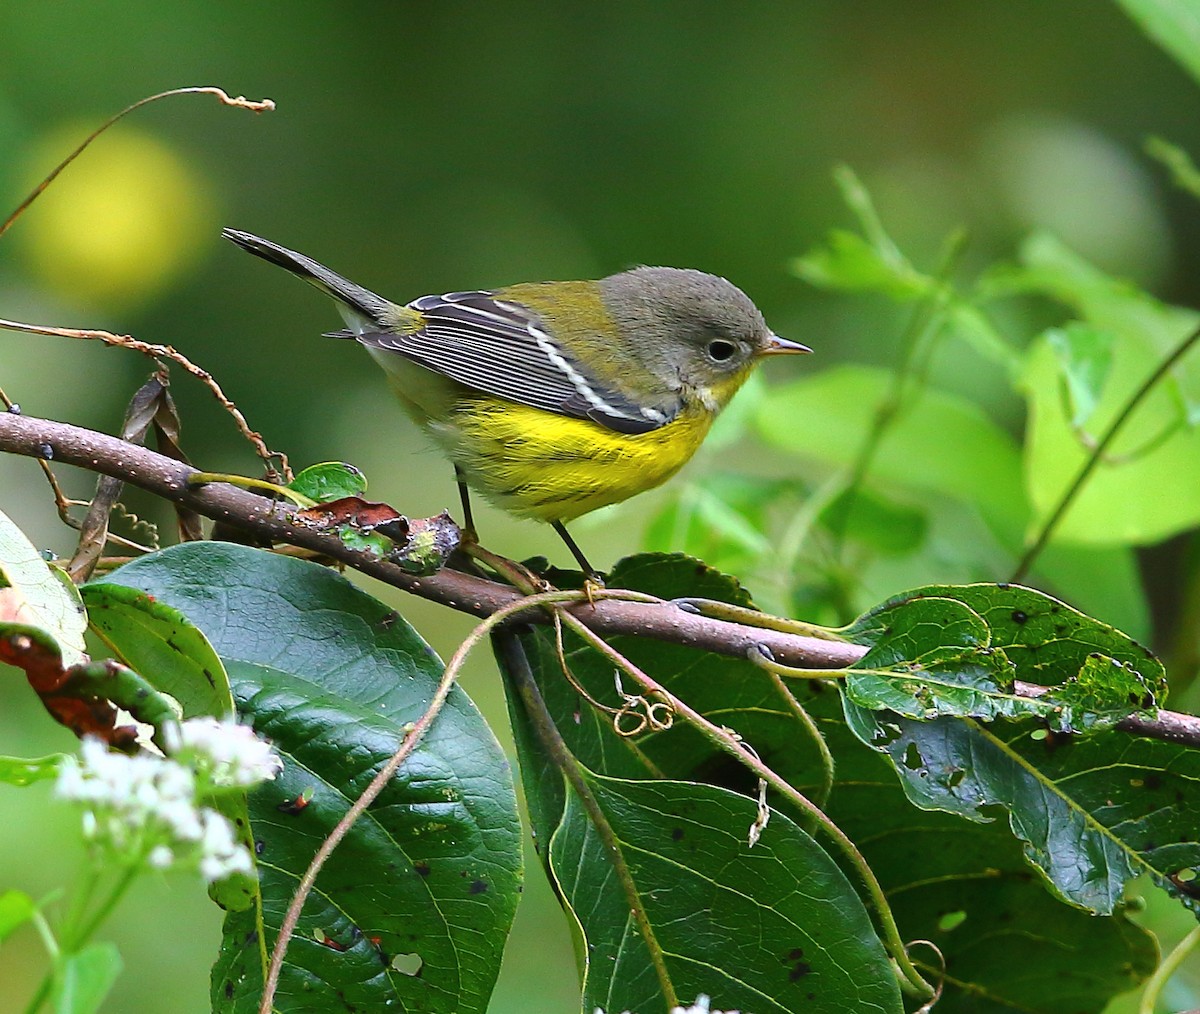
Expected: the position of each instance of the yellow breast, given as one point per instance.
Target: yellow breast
(554, 468)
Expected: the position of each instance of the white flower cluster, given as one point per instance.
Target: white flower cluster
(145, 809)
(222, 753)
(701, 1006)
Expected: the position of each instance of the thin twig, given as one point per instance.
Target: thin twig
(157, 352)
(257, 106)
(62, 502)
(1168, 967)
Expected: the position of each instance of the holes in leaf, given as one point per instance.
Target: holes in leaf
(408, 964)
(912, 757)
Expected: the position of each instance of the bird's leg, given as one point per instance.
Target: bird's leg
(464, 495)
(593, 580)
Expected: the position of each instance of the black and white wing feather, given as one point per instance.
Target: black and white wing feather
(502, 348)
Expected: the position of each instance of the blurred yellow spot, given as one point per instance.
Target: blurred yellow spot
(119, 224)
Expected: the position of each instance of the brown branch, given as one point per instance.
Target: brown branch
(167, 478)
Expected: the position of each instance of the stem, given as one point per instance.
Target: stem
(246, 482)
(1072, 491)
(52, 948)
(825, 789)
(1165, 970)
(730, 745)
(562, 758)
(763, 661)
(264, 105)
(921, 331)
(77, 938)
(288, 927)
(79, 905)
(754, 618)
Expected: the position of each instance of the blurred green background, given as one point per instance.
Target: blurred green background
(423, 148)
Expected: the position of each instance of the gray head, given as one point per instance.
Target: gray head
(691, 328)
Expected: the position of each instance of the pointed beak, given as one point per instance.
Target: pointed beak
(777, 346)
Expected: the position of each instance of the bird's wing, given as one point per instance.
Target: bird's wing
(502, 348)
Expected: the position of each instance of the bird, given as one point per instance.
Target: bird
(553, 399)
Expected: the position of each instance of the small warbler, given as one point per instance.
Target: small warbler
(555, 398)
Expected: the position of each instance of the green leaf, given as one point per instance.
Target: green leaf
(966, 886)
(366, 542)
(32, 594)
(16, 909)
(27, 770)
(333, 678)
(329, 480)
(157, 641)
(755, 939)
(1047, 641)
(82, 980)
(1101, 694)
(1093, 813)
(431, 870)
(874, 263)
(958, 650)
(1145, 328)
(942, 664)
(880, 522)
(1155, 450)
(1174, 25)
(737, 695)
(721, 517)
(849, 263)
(1085, 357)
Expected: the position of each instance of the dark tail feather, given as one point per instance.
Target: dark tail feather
(362, 300)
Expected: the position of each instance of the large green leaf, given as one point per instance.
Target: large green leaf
(33, 594)
(746, 926)
(1093, 812)
(1148, 488)
(412, 910)
(1149, 469)
(1009, 944)
(753, 928)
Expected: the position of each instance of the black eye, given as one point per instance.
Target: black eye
(721, 351)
